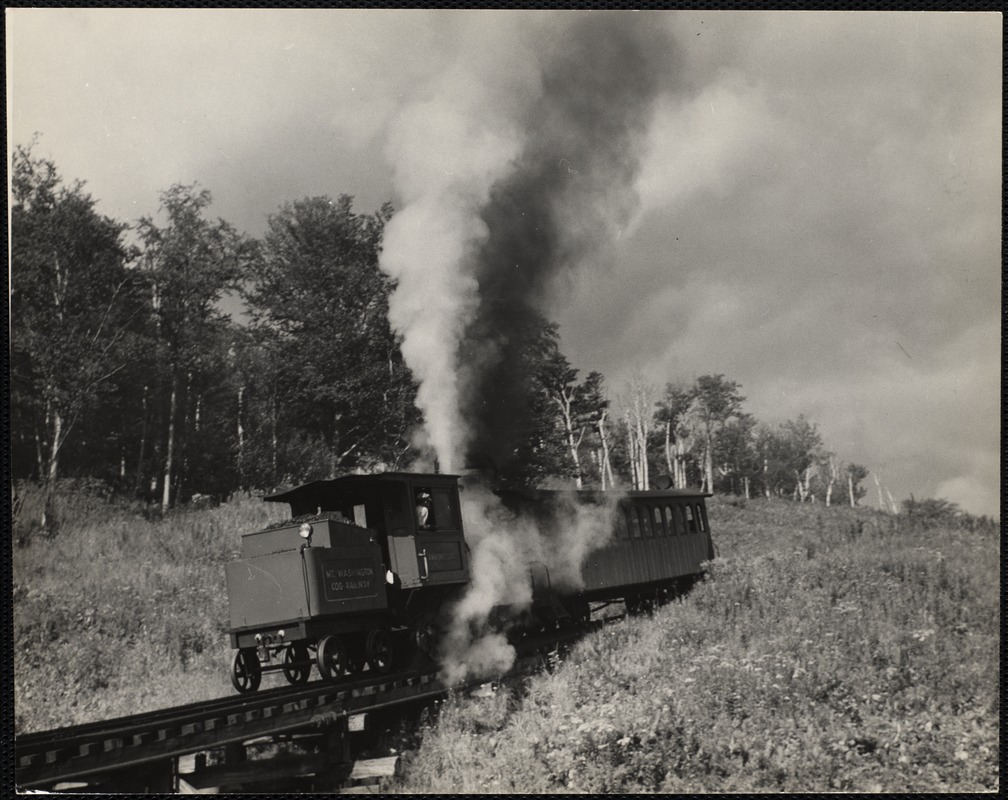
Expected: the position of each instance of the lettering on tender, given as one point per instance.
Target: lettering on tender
(349, 580)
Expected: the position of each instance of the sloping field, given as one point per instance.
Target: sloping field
(830, 650)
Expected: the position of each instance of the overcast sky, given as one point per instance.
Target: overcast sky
(819, 210)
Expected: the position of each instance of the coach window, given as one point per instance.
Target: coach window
(670, 525)
(645, 521)
(691, 524)
(701, 515)
(635, 526)
(659, 523)
(621, 525)
(675, 520)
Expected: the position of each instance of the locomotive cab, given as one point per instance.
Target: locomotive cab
(420, 549)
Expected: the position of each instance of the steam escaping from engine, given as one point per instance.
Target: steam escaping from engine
(516, 166)
(504, 544)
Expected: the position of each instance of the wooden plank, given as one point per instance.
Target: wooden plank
(374, 768)
(257, 771)
(184, 787)
(356, 723)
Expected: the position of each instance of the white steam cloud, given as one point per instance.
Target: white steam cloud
(447, 149)
(504, 545)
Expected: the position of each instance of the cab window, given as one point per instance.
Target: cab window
(443, 510)
(435, 509)
(360, 515)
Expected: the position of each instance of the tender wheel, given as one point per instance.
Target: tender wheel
(296, 663)
(378, 649)
(331, 658)
(246, 672)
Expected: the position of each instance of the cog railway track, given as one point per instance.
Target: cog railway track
(141, 752)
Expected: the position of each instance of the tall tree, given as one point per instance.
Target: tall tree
(715, 401)
(672, 417)
(638, 405)
(804, 450)
(593, 411)
(579, 406)
(855, 474)
(72, 301)
(737, 463)
(190, 262)
(319, 301)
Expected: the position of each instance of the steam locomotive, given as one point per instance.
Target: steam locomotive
(361, 574)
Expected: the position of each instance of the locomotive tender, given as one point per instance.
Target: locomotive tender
(367, 563)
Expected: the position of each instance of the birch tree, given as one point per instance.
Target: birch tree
(638, 405)
(855, 473)
(580, 408)
(72, 302)
(673, 418)
(715, 401)
(190, 262)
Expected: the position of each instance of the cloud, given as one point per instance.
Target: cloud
(845, 209)
(697, 144)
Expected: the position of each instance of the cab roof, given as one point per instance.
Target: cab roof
(314, 489)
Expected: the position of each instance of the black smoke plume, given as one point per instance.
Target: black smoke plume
(568, 194)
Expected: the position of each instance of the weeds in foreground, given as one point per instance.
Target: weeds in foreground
(119, 613)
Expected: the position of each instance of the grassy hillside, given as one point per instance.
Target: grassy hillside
(831, 649)
(118, 613)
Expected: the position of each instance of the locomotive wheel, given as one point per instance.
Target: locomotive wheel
(246, 672)
(379, 650)
(331, 658)
(296, 663)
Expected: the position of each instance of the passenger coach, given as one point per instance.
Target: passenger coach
(661, 541)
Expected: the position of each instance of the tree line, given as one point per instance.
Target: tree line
(126, 368)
